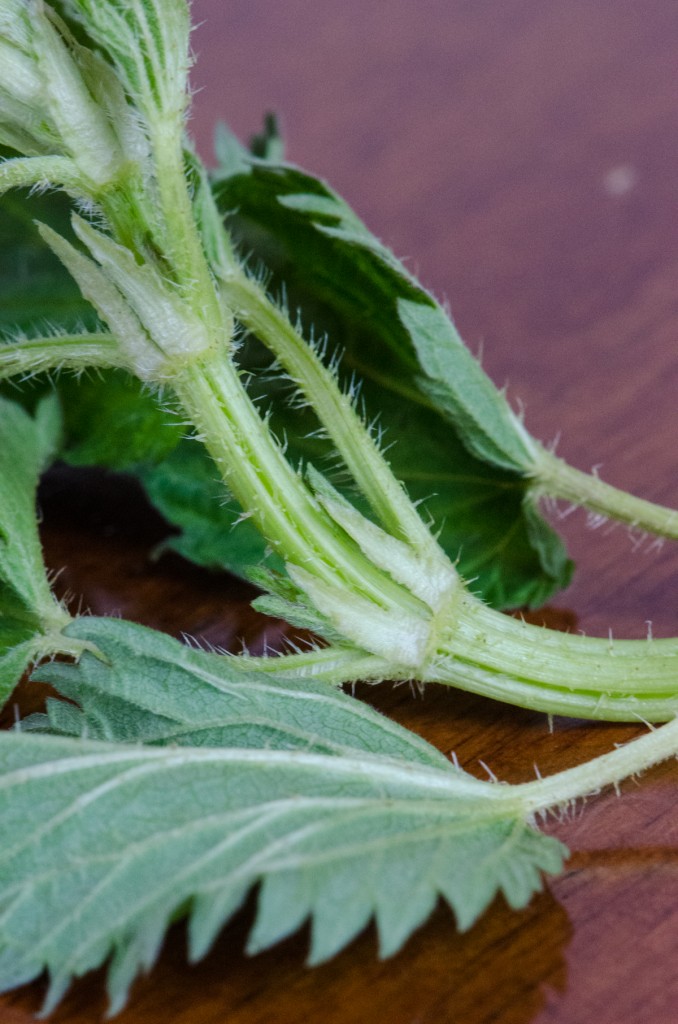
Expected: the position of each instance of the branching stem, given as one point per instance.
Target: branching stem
(256, 471)
(334, 409)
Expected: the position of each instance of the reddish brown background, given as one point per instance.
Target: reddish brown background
(523, 156)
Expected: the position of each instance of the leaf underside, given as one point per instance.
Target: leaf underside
(181, 781)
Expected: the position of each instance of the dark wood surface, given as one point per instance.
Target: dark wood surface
(523, 156)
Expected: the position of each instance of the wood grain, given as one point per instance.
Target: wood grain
(523, 157)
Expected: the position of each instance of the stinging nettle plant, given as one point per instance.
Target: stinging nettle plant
(292, 783)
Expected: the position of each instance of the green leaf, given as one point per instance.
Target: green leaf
(186, 489)
(459, 448)
(35, 289)
(147, 687)
(341, 815)
(111, 420)
(28, 609)
(461, 391)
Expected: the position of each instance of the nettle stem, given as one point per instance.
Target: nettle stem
(555, 478)
(334, 409)
(255, 470)
(606, 770)
(33, 355)
(482, 651)
(469, 645)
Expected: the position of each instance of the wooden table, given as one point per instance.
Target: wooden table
(523, 156)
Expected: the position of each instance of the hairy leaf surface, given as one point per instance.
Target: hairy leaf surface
(151, 688)
(339, 814)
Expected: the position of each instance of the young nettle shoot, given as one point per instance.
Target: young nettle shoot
(156, 262)
(93, 100)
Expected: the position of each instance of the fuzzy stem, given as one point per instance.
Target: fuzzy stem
(35, 355)
(334, 409)
(485, 652)
(27, 172)
(606, 770)
(554, 477)
(257, 473)
(333, 665)
(178, 237)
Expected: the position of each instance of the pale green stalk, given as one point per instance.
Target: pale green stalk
(34, 355)
(333, 665)
(255, 470)
(34, 171)
(555, 478)
(183, 245)
(334, 409)
(606, 770)
(476, 649)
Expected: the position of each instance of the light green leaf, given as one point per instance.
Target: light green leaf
(150, 688)
(84, 129)
(339, 813)
(24, 121)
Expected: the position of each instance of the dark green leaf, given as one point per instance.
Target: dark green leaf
(35, 289)
(27, 607)
(186, 490)
(346, 283)
(111, 420)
